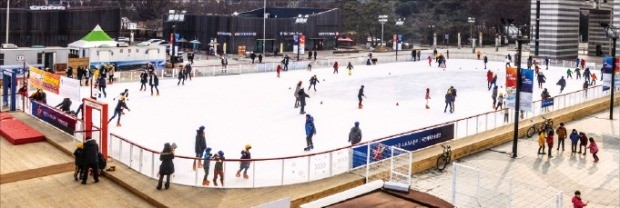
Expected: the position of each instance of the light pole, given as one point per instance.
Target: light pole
(399, 22)
(382, 19)
(471, 22)
(520, 40)
(6, 39)
(300, 19)
(233, 30)
(175, 16)
(610, 32)
(430, 35)
(264, 22)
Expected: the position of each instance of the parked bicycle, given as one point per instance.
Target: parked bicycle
(547, 125)
(444, 158)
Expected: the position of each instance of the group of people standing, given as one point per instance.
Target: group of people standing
(546, 137)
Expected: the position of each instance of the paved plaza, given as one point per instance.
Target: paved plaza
(536, 178)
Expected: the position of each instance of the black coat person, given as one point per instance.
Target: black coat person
(314, 54)
(260, 58)
(167, 166)
(65, 105)
(90, 159)
(562, 83)
(301, 95)
(154, 82)
(355, 135)
(70, 72)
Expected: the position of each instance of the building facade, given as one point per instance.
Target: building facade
(557, 33)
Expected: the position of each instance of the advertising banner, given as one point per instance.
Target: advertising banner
(409, 142)
(69, 88)
(302, 44)
(527, 89)
(546, 103)
(295, 43)
(53, 117)
(44, 80)
(607, 73)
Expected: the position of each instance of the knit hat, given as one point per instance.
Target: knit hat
(201, 128)
(80, 145)
(357, 123)
(221, 153)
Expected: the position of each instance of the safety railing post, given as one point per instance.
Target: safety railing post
(282, 178)
(153, 164)
(140, 163)
(130, 154)
(253, 174)
(308, 168)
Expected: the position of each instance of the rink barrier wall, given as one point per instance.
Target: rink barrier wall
(265, 172)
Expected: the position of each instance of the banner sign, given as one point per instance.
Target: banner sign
(44, 80)
(69, 88)
(546, 103)
(527, 89)
(511, 86)
(224, 33)
(328, 33)
(607, 73)
(245, 34)
(409, 142)
(53, 117)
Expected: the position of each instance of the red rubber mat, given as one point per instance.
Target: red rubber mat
(17, 132)
(5, 116)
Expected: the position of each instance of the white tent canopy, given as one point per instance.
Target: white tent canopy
(96, 38)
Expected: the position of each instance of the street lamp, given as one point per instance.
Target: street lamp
(399, 22)
(175, 16)
(430, 35)
(471, 22)
(382, 19)
(300, 19)
(516, 34)
(232, 31)
(8, 2)
(612, 33)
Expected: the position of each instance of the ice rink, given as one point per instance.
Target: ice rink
(257, 108)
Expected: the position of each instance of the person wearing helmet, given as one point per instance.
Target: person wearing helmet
(207, 157)
(245, 165)
(218, 170)
(79, 161)
(355, 135)
(200, 146)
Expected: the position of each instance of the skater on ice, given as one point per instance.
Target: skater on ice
(494, 96)
(188, 72)
(562, 83)
(118, 111)
(350, 68)
(310, 132)
(143, 80)
(355, 135)
(218, 170)
(569, 73)
(199, 146)
(578, 72)
(278, 70)
(541, 79)
(313, 81)
(335, 67)
(181, 75)
(500, 101)
(427, 97)
(206, 164)
(302, 100)
(489, 79)
(587, 75)
(154, 82)
(453, 91)
(296, 94)
(101, 82)
(448, 100)
(485, 60)
(360, 95)
(245, 165)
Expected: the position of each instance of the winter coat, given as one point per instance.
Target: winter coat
(80, 73)
(335, 65)
(593, 147)
(561, 132)
(577, 203)
(167, 166)
(143, 77)
(361, 93)
(302, 97)
(583, 140)
(154, 81)
(91, 148)
(65, 105)
(550, 140)
(120, 105)
(562, 83)
(448, 98)
(574, 137)
(296, 93)
(101, 82)
(586, 73)
(310, 128)
(79, 156)
(453, 94)
(314, 80)
(355, 135)
(219, 163)
(541, 139)
(70, 71)
(545, 95)
(541, 78)
(201, 142)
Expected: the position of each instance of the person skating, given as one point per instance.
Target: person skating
(252, 57)
(224, 62)
(350, 68)
(200, 145)
(500, 101)
(427, 97)
(593, 149)
(310, 132)
(143, 80)
(506, 115)
(360, 95)
(79, 161)
(190, 57)
(453, 91)
(188, 72)
(218, 170)
(507, 62)
(313, 81)
(485, 60)
(206, 164)
(296, 94)
(245, 165)
(419, 54)
(448, 100)
(587, 75)
(314, 54)
(278, 70)
(585, 87)
(65, 105)
(80, 74)
(577, 202)
(569, 73)
(118, 111)
(181, 75)
(489, 79)
(111, 75)
(541, 79)
(124, 94)
(430, 61)
(154, 82)
(578, 73)
(260, 58)
(494, 96)
(102, 85)
(355, 135)
(287, 59)
(335, 66)
(309, 68)
(593, 78)
(574, 138)
(309, 55)
(562, 83)
(302, 100)
(494, 80)
(583, 63)
(561, 133)
(546, 63)
(91, 162)
(167, 166)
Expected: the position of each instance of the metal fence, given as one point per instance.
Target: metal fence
(472, 187)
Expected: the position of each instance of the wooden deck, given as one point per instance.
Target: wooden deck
(16, 158)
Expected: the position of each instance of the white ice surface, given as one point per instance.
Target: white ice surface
(257, 109)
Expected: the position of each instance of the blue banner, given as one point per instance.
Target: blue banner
(55, 118)
(527, 88)
(607, 71)
(546, 103)
(409, 142)
(295, 39)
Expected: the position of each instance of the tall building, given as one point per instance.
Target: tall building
(557, 33)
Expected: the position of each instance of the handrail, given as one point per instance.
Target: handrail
(345, 147)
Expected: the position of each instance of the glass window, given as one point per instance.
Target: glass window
(1, 58)
(39, 58)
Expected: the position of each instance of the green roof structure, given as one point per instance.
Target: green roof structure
(97, 35)
(94, 39)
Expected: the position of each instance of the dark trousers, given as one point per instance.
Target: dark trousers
(360, 99)
(561, 142)
(569, 76)
(181, 79)
(446, 107)
(296, 102)
(206, 169)
(301, 110)
(155, 88)
(573, 147)
(116, 112)
(311, 85)
(335, 71)
(79, 172)
(309, 140)
(143, 86)
(494, 101)
(499, 105)
(595, 157)
(102, 89)
(219, 173)
(94, 168)
(161, 179)
(541, 150)
(505, 118)
(549, 152)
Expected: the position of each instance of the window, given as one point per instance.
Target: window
(39, 58)
(121, 50)
(1, 58)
